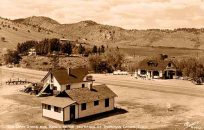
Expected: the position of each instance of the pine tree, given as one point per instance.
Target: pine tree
(66, 48)
(81, 49)
(94, 50)
(69, 48)
(102, 49)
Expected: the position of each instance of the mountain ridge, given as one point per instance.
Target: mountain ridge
(96, 34)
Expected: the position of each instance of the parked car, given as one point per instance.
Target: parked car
(119, 72)
(10, 66)
(197, 81)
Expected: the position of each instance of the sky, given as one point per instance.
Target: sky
(128, 14)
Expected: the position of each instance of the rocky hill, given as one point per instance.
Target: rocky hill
(95, 33)
(11, 33)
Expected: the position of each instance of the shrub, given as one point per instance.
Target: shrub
(3, 39)
(192, 68)
(45, 63)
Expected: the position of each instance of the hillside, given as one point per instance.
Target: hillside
(94, 33)
(14, 33)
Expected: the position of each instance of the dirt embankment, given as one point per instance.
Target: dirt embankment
(44, 63)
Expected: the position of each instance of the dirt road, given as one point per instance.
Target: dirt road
(165, 86)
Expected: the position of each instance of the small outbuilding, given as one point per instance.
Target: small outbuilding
(75, 96)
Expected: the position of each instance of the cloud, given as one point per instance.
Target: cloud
(138, 14)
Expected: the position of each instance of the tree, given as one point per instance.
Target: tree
(107, 62)
(115, 58)
(54, 45)
(25, 46)
(192, 68)
(12, 57)
(98, 64)
(66, 48)
(102, 49)
(81, 49)
(94, 50)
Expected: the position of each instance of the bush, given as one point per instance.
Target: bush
(45, 63)
(192, 68)
(3, 39)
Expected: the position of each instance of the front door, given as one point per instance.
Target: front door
(171, 74)
(72, 113)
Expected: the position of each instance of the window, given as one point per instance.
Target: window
(83, 85)
(57, 109)
(107, 102)
(54, 88)
(83, 106)
(68, 87)
(48, 107)
(155, 73)
(45, 106)
(96, 103)
(152, 63)
(143, 72)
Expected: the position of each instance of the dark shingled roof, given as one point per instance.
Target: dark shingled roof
(156, 64)
(84, 95)
(67, 76)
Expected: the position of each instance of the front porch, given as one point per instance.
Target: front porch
(158, 74)
(170, 74)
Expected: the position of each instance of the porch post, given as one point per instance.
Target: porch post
(167, 73)
(152, 74)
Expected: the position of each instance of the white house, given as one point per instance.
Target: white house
(77, 103)
(58, 80)
(154, 69)
(32, 52)
(76, 97)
